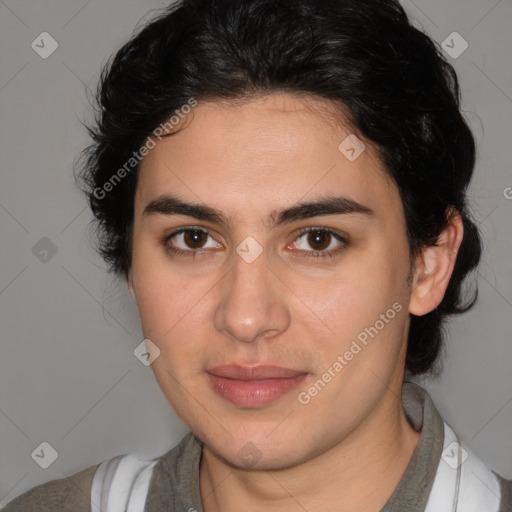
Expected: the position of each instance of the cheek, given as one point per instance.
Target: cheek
(175, 312)
(163, 295)
(365, 302)
(352, 294)
(162, 299)
(168, 305)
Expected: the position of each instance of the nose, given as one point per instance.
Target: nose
(252, 302)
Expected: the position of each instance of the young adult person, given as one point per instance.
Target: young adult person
(282, 184)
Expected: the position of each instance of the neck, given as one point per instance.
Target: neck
(363, 471)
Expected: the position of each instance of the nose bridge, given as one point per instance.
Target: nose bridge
(250, 303)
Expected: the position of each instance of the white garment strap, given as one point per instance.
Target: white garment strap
(121, 484)
(463, 483)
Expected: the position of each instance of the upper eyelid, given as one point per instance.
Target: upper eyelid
(341, 238)
(185, 229)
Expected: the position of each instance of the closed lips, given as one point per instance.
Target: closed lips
(254, 372)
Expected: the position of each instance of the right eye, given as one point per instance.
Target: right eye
(189, 241)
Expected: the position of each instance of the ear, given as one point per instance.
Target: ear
(434, 267)
(131, 286)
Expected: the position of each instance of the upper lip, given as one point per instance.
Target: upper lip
(233, 371)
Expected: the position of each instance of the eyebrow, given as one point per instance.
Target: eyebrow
(169, 205)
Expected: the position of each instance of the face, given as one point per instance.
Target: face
(319, 291)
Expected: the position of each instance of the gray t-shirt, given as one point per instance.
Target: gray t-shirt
(174, 481)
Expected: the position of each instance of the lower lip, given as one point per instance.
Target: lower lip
(253, 393)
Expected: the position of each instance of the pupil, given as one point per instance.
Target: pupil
(316, 238)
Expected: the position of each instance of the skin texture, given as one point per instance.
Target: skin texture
(349, 446)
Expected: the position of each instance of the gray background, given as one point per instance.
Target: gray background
(68, 374)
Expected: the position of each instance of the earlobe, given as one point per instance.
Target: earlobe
(434, 267)
(131, 286)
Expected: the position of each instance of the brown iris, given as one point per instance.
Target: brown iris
(194, 239)
(321, 238)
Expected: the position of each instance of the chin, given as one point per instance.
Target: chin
(258, 452)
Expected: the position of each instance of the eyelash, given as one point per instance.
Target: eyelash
(308, 254)
(324, 254)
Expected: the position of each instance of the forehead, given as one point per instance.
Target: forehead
(264, 154)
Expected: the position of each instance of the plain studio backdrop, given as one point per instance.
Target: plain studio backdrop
(68, 373)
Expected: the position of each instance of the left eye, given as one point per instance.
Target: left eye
(320, 240)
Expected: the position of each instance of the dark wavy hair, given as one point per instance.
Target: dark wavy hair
(390, 80)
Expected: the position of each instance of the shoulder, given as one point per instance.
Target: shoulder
(122, 482)
(124, 479)
(444, 469)
(167, 482)
(69, 494)
(175, 481)
(467, 481)
(505, 493)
